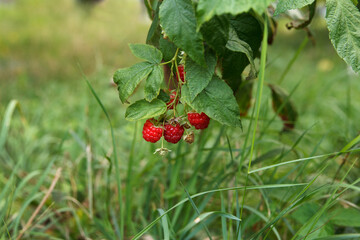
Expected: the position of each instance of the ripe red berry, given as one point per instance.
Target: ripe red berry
(171, 104)
(199, 120)
(172, 133)
(181, 73)
(151, 133)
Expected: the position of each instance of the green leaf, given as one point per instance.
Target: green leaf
(146, 52)
(163, 96)
(154, 33)
(167, 48)
(283, 106)
(343, 21)
(236, 45)
(143, 109)
(153, 83)
(217, 101)
(285, 5)
(249, 30)
(128, 78)
(216, 33)
(346, 217)
(197, 76)
(177, 18)
(208, 8)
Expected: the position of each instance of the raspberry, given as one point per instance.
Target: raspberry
(181, 73)
(199, 121)
(151, 133)
(172, 133)
(171, 104)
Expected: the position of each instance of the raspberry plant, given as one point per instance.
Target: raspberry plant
(205, 52)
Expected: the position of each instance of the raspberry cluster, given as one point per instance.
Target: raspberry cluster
(173, 127)
(172, 132)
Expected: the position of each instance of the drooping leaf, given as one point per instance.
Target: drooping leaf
(346, 217)
(217, 101)
(143, 109)
(285, 5)
(243, 97)
(177, 17)
(197, 76)
(249, 30)
(343, 21)
(236, 45)
(146, 52)
(283, 106)
(128, 78)
(216, 33)
(154, 32)
(206, 9)
(153, 83)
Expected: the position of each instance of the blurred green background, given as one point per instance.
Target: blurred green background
(45, 46)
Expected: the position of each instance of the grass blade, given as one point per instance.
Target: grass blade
(117, 169)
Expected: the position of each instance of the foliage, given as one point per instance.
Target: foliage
(305, 182)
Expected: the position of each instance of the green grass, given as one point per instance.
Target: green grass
(300, 183)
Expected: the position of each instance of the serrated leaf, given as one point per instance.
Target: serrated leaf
(177, 18)
(285, 5)
(346, 217)
(249, 30)
(143, 109)
(343, 21)
(236, 45)
(283, 106)
(208, 8)
(216, 33)
(146, 52)
(217, 101)
(128, 78)
(197, 76)
(153, 83)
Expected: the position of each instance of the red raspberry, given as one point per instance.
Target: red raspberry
(199, 121)
(151, 133)
(172, 133)
(171, 104)
(181, 73)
